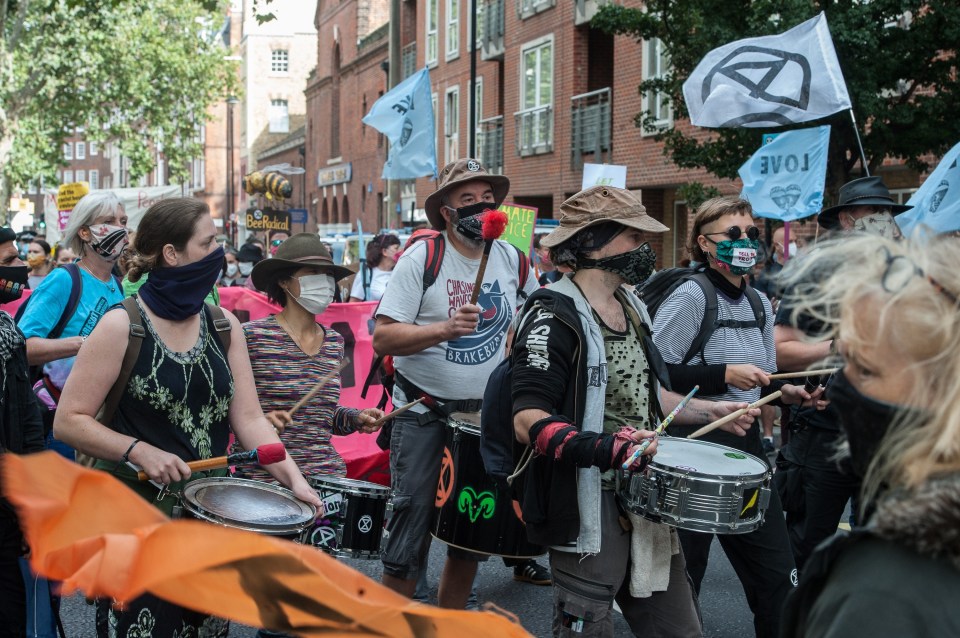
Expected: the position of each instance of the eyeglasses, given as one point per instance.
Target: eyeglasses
(735, 232)
(276, 242)
(900, 270)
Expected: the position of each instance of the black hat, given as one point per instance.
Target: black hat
(866, 191)
(7, 234)
(303, 249)
(249, 253)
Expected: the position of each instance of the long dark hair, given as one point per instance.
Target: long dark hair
(377, 245)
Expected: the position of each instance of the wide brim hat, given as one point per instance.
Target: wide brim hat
(866, 191)
(597, 205)
(300, 251)
(456, 174)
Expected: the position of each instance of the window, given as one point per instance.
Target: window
(527, 8)
(535, 120)
(477, 116)
(434, 101)
(279, 61)
(81, 151)
(453, 29)
(68, 151)
(655, 66)
(477, 40)
(94, 179)
(94, 149)
(279, 116)
(433, 18)
(68, 177)
(81, 176)
(451, 125)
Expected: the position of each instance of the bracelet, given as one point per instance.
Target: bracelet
(126, 455)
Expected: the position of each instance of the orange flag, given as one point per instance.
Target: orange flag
(96, 535)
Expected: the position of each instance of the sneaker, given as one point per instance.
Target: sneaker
(532, 572)
(768, 446)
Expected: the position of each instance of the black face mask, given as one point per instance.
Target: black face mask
(865, 421)
(13, 279)
(469, 222)
(635, 266)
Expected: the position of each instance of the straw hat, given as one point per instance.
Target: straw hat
(599, 204)
(303, 249)
(455, 174)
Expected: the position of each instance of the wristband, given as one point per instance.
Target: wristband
(126, 455)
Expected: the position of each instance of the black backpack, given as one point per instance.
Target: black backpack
(661, 285)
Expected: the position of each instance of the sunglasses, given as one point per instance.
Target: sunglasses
(276, 242)
(735, 232)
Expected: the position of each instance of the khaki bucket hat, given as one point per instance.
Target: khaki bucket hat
(599, 204)
(457, 173)
(303, 249)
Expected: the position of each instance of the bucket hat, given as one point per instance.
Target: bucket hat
(303, 249)
(866, 191)
(460, 172)
(599, 204)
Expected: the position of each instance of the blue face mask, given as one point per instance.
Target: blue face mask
(178, 293)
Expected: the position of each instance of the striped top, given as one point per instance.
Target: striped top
(283, 374)
(678, 321)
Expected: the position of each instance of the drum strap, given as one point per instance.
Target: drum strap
(438, 407)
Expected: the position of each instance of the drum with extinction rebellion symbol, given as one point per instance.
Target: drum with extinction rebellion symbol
(471, 511)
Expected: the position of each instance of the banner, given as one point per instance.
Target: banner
(67, 197)
(936, 204)
(135, 202)
(784, 178)
(770, 81)
(604, 175)
(405, 116)
(520, 223)
(268, 219)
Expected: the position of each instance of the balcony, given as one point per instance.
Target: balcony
(408, 60)
(493, 28)
(534, 130)
(584, 10)
(589, 126)
(528, 8)
(490, 144)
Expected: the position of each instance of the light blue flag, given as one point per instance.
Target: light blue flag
(405, 116)
(937, 203)
(784, 179)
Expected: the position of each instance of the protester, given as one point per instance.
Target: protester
(545, 270)
(583, 432)
(443, 350)
(63, 255)
(893, 311)
(21, 432)
(184, 397)
(40, 262)
(248, 256)
(290, 351)
(276, 239)
(231, 270)
(376, 268)
(24, 238)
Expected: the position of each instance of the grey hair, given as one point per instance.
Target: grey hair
(90, 206)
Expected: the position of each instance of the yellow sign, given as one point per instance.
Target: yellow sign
(520, 223)
(69, 194)
(268, 219)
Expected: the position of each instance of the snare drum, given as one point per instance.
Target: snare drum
(471, 511)
(699, 486)
(249, 505)
(353, 513)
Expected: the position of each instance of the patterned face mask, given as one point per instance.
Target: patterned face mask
(738, 256)
(634, 266)
(108, 241)
(880, 224)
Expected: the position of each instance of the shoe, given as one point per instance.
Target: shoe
(768, 446)
(532, 572)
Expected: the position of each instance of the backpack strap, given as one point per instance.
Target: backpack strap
(73, 300)
(436, 247)
(709, 323)
(223, 327)
(134, 341)
(366, 276)
(523, 274)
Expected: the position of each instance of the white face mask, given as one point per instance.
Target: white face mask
(246, 268)
(232, 270)
(316, 292)
(881, 224)
(790, 253)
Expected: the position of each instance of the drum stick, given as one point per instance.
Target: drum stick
(400, 410)
(324, 380)
(660, 428)
(264, 455)
(733, 416)
(800, 375)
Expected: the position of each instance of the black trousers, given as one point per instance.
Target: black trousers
(13, 600)
(815, 489)
(763, 562)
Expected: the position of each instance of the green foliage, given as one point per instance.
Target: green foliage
(695, 193)
(898, 57)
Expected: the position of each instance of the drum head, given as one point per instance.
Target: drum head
(347, 485)
(467, 421)
(706, 459)
(247, 504)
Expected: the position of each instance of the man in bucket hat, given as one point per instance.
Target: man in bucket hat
(586, 392)
(444, 350)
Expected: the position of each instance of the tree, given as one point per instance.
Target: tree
(139, 74)
(899, 59)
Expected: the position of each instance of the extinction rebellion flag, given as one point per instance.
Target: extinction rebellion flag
(936, 205)
(770, 81)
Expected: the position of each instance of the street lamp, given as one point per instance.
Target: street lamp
(231, 182)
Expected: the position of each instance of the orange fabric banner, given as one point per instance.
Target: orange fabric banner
(96, 535)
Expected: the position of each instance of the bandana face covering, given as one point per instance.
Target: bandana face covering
(178, 293)
(468, 222)
(13, 279)
(316, 293)
(880, 224)
(108, 241)
(634, 267)
(738, 256)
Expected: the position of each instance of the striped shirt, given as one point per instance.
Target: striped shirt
(283, 374)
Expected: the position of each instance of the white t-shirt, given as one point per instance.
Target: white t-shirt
(456, 369)
(378, 283)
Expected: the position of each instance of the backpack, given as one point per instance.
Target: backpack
(661, 285)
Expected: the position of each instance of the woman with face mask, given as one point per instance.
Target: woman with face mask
(186, 392)
(290, 351)
(231, 270)
(39, 261)
(893, 309)
(375, 271)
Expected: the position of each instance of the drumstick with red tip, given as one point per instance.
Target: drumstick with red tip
(492, 225)
(264, 455)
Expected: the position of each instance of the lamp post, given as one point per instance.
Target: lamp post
(231, 182)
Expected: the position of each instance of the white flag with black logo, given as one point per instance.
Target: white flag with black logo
(770, 81)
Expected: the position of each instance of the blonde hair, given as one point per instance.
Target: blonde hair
(907, 286)
(710, 211)
(92, 205)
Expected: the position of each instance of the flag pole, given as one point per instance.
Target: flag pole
(863, 156)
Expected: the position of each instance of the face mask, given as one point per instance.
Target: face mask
(316, 293)
(790, 254)
(469, 223)
(13, 279)
(232, 270)
(738, 256)
(108, 241)
(634, 267)
(880, 224)
(865, 421)
(178, 293)
(36, 261)
(246, 268)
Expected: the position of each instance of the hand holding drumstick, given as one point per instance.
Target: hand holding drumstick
(280, 419)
